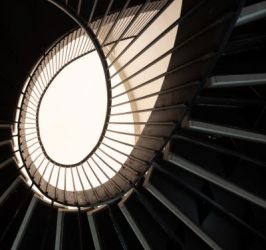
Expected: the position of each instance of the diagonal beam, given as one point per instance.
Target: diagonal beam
(225, 131)
(59, 230)
(135, 228)
(215, 179)
(231, 81)
(94, 232)
(24, 224)
(175, 210)
(252, 13)
(11, 188)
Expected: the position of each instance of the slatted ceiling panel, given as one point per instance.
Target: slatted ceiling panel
(193, 168)
(173, 77)
(189, 224)
(242, 107)
(103, 30)
(132, 9)
(225, 147)
(120, 25)
(127, 61)
(223, 130)
(208, 191)
(208, 216)
(235, 147)
(132, 46)
(229, 234)
(172, 223)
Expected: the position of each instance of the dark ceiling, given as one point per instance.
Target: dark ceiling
(28, 28)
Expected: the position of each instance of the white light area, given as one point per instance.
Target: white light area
(54, 175)
(41, 168)
(155, 51)
(124, 21)
(73, 110)
(40, 160)
(71, 118)
(61, 181)
(69, 94)
(78, 185)
(88, 171)
(69, 182)
(98, 171)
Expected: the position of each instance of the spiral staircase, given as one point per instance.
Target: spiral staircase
(194, 179)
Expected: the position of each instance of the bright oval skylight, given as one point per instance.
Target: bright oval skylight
(71, 146)
(73, 110)
(62, 113)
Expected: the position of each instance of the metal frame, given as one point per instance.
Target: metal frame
(38, 93)
(93, 38)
